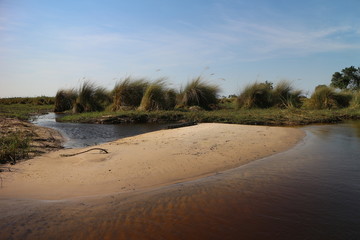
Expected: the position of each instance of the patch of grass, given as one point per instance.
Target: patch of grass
(91, 98)
(42, 100)
(14, 147)
(355, 101)
(269, 116)
(199, 93)
(326, 97)
(285, 96)
(154, 97)
(65, 99)
(23, 111)
(128, 93)
(256, 95)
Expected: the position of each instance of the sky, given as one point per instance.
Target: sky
(50, 45)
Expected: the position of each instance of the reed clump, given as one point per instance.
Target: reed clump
(355, 101)
(128, 93)
(285, 96)
(158, 97)
(91, 98)
(64, 100)
(264, 95)
(198, 92)
(325, 97)
(256, 95)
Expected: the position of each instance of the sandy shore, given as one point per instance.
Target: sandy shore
(144, 161)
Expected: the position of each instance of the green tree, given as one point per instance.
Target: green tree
(348, 78)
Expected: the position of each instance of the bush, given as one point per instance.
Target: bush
(128, 93)
(199, 93)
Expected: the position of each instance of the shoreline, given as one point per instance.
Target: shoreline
(145, 161)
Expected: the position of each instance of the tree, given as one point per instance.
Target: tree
(348, 78)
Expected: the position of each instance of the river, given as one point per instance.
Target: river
(311, 191)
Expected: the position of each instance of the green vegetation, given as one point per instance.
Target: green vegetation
(65, 99)
(264, 95)
(326, 97)
(24, 108)
(157, 97)
(269, 116)
(199, 93)
(43, 100)
(91, 98)
(348, 78)
(14, 147)
(128, 93)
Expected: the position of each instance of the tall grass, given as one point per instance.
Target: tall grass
(157, 97)
(65, 99)
(256, 95)
(128, 93)
(355, 101)
(285, 96)
(197, 92)
(14, 147)
(264, 95)
(325, 97)
(91, 98)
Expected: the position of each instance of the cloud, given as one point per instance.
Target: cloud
(266, 41)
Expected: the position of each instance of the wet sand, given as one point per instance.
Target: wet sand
(145, 161)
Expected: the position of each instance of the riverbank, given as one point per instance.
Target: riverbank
(266, 117)
(145, 161)
(41, 140)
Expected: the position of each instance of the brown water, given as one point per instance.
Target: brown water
(309, 192)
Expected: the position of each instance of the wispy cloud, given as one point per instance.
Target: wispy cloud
(269, 41)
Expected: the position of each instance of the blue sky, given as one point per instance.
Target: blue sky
(48, 45)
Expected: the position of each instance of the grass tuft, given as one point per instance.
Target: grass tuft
(128, 93)
(256, 95)
(199, 93)
(91, 98)
(64, 100)
(14, 147)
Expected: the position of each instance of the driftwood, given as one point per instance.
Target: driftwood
(102, 150)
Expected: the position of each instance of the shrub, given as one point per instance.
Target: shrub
(128, 93)
(256, 95)
(64, 100)
(198, 93)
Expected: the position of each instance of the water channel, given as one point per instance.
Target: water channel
(83, 135)
(311, 191)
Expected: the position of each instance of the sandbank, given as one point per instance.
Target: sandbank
(145, 161)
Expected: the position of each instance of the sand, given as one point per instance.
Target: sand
(145, 161)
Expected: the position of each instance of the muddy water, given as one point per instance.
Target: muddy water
(309, 192)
